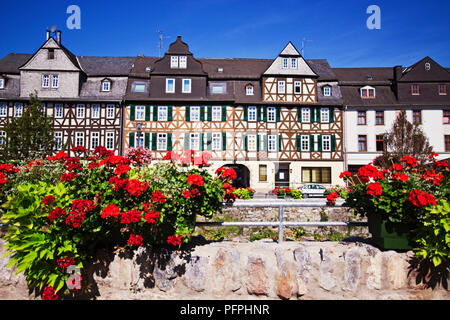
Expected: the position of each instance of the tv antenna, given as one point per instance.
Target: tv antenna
(160, 41)
(304, 40)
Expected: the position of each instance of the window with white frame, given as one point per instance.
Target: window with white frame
(216, 113)
(271, 114)
(324, 115)
(186, 86)
(95, 140)
(2, 83)
(79, 139)
(110, 108)
(285, 63)
(140, 113)
(58, 140)
(45, 81)
(194, 141)
(109, 140)
(161, 141)
(272, 142)
(297, 87)
(327, 91)
(251, 142)
(139, 140)
(252, 113)
(195, 113)
(106, 86)
(174, 62)
(281, 86)
(18, 110)
(55, 81)
(162, 113)
(306, 115)
(216, 141)
(3, 110)
(304, 143)
(170, 85)
(326, 143)
(95, 111)
(59, 111)
(80, 111)
(293, 63)
(218, 88)
(182, 62)
(249, 90)
(2, 138)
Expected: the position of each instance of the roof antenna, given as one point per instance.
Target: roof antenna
(160, 42)
(303, 46)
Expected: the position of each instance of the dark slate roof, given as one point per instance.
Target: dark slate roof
(417, 72)
(234, 68)
(361, 75)
(322, 69)
(106, 66)
(12, 62)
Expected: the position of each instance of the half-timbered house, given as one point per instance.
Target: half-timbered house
(277, 122)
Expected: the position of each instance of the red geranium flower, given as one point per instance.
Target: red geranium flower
(135, 239)
(171, 155)
(400, 176)
(131, 216)
(396, 167)
(174, 240)
(345, 174)
(157, 196)
(79, 149)
(122, 168)
(152, 216)
(49, 294)
(410, 161)
(369, 171)
(56, 213)
(195, 192)
(195, 179)
(332, 196)
(93, 165)
(186, 194)
(433, 155)
(374, 189)
(68, 176)
(420, 198)
(48, 200)
(65, 262)
(135, 187)
(110, 210)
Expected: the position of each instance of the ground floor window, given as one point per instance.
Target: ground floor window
(110, 140)
(316, 175)
(58, 140)
(262, 172)
(447, 143)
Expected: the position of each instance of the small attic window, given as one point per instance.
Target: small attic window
(51, 54)
(427, 66)
(367, 92)
(249, 90)
(369, 77)
(327, 91)
(148, 69)
(106, 85)
(220, 70)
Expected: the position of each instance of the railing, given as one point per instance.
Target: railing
(281, 223)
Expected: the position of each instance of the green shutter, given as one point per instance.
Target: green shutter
(331, 115)
(264, 143)
(279, 142)
(224, 141)
(147, 140)
(209, 141)
(202, 144)
(258, 115)
(170, 113)
(319, 143)
(333, 143)
(209, 113)
(154, 138)
(202, 113)
(169, 141)
(224, 113)
(245, 113)
(311, 142)
(265, 114)
(131, 139)
(317, 115)
(132, 112)
(257, 142)
(278, 114)
(186, 141)
(245, 143)
(147, 113)
(299, 114)
(298, 142)
(312, 115)
(188, 113)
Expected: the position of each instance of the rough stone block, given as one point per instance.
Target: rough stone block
(257, 276)
(352, 269)
(304, 267)
(195, 273)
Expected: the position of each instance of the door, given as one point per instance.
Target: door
(282, 175)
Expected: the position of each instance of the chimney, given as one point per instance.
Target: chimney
(58, 36)
(48, 34)
(397, 72)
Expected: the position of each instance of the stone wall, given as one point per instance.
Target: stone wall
(257, 270)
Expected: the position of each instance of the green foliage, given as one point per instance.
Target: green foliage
(244, 193)
(295, 193)
(263, 233)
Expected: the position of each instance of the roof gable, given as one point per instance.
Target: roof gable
(289, 52)
(425, 70)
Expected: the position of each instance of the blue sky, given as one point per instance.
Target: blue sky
(410, 30)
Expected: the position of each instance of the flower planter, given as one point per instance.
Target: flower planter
(281, 196)
(388, 235)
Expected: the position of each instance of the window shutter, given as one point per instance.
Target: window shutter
(317, 115)
(202, 139)
(209, 113)
(209, 141)
(278, 110)
(298, 142)
(224, 113)
(331, 115)
(154, 138)
(333, 143)
(132, 112)
(265, 142)
(311, 142)
(245, 113)
(245, 143)
(202, 113)
(279, 142)
(188, 113)
(131, 139)
(186, 141)
(299, 114)
(169, 141)
(312, 114)
(319, 143)
(258, 115)
(257, 142)
(224, 141)
(170, 113)
(147, 113)
(265, 114)
(147, 140)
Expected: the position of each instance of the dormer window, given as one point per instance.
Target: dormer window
(174, 62)
(327, 91)
(442, 89)
(2, 83)
(367, 92)
(249, 90)
(178, 62)
(182, 62)
(415, 90)
(106, 85)
(294, 63)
